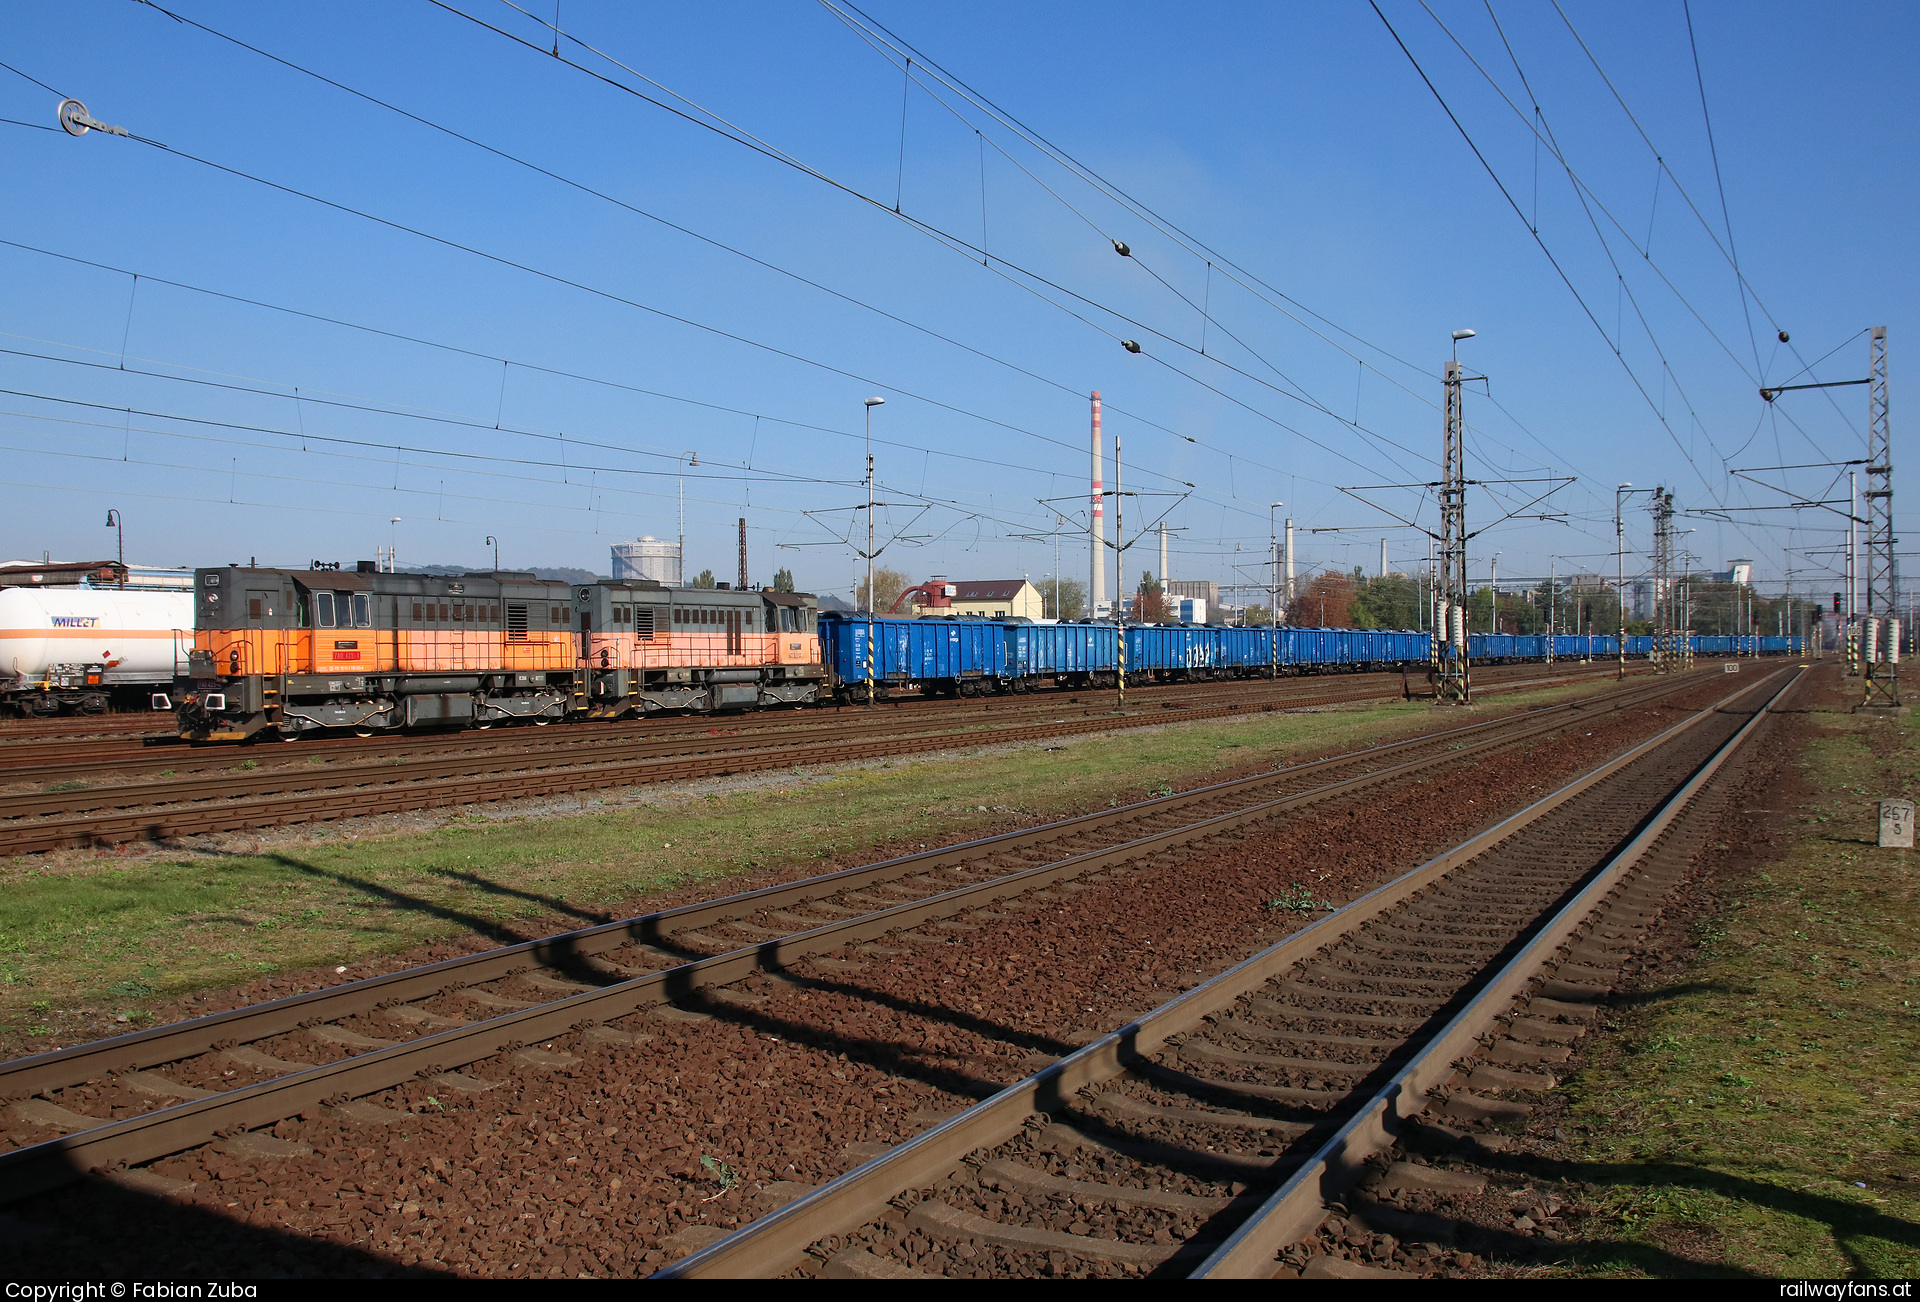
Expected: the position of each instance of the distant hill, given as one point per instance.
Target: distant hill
(558, 573)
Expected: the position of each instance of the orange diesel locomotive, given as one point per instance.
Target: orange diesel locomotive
(301, 651)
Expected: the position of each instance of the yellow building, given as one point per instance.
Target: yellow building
(991, 598)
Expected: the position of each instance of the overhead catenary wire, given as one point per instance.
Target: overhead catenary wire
(1298, 393)
(871, 30)
(1747, 286)
(1553, 261)
(622, 299)
(1726, 213)
(591, 289)
(390, 458)
(636, 210)
(1014, 273)
(1589, 201)
(1204, 311)
(1543, 134)
(564, 180)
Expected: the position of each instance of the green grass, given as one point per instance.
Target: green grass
(1734, 1125)
(94, 934)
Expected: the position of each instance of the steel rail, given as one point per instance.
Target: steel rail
(60, 1068)
(151, 1135)
(777, 1242)
(52, 760)
(575, 732)
(652, 737)
(12, 751)
(275, 798)
(1298, 1205)
(141, 751)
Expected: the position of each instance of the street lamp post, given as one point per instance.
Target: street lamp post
(1553, 605)
(496, 552)
(1493, 619)
(681, 463)
(872, 601)
(871, 404)
(115, 523)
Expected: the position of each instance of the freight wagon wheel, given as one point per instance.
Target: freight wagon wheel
(540, 721)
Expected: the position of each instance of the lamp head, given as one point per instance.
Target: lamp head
(876, 402)
(1458, 335)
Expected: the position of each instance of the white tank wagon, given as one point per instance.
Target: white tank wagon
(80, 649)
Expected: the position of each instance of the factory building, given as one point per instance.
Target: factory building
(990, 598)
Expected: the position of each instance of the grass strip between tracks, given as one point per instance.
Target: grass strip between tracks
(86, 935)
(1760, 1114)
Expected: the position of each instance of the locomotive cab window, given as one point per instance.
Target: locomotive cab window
(323, 610)
(362, 610)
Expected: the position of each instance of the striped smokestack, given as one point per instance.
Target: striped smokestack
(1097, 586)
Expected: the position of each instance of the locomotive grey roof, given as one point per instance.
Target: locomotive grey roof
(333, 581)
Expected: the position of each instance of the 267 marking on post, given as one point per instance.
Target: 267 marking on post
(1896, 824)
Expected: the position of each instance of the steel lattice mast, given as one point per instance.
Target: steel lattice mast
(1453, 679)
(1668, 602)
(1883, 601)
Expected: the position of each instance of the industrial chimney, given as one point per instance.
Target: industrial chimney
(1097, 588)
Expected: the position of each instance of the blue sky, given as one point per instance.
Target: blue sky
(550, 354)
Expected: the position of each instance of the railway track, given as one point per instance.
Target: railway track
(1205, 1139)
(106, 758)
(146, 722)
(134, 1098)
(228, 790)
(157, 751)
